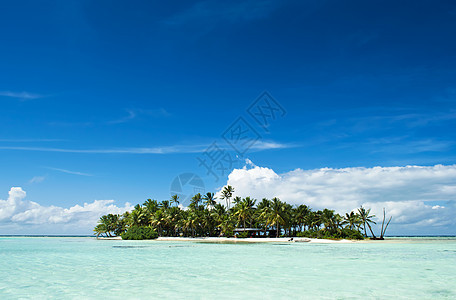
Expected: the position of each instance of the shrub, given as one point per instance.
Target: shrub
(351, 234)
(139, 233)
(325, 234)
(243, 235)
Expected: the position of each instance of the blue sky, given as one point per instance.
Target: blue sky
(113, 99)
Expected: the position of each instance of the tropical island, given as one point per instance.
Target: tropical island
(204, 217)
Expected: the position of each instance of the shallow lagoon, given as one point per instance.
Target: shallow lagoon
(75, 267)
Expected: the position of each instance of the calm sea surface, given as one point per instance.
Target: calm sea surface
(82, 268)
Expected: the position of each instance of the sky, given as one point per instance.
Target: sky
(338, 104)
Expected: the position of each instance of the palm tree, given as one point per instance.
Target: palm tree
(226, 226)
(366, 219)
(191, 222)
(209, 200)
(338, 222)
(263, 204)
(227, 193)
(313, 219)
(174, 200)
(274, 214)
(328, 218)
(194, 204)
(101, 228)
(174, 215)
(240, 211)
(219, 211)
(301, 212)
(206, 217)
(108, 224)
(165, 204)
(290, 221)
(120, 225)
(151, 206)
(159, 221)
(352, 220)
(140, 216)
(207, 222)
(236, 200)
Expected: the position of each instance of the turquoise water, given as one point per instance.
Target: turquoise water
(82, 268)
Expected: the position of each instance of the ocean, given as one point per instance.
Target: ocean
(86, 268)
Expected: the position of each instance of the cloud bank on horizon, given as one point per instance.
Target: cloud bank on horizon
(421, 199)
(20, 216)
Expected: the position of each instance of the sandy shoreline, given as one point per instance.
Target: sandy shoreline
(246, 240)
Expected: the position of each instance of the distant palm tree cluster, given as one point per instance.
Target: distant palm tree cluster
(204, 217)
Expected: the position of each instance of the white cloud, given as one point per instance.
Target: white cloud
(70, 172)
(76, 219)
(37, 179)
(30, 140)
(196, 148)
(267, 145)
(20, 95)
(408, 193)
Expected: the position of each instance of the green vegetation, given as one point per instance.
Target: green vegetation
(205, 217)
(139, 233)
(344, 233)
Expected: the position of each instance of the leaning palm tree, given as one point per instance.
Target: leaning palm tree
(366, 219)
(100, 229)
(108, 224)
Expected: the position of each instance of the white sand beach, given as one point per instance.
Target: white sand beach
(245, 240)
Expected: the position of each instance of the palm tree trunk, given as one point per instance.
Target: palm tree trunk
(373, 235)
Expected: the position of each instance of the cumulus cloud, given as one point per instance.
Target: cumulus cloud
(18, 213)
(420, 198)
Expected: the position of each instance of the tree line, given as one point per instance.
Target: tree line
(204, 217)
